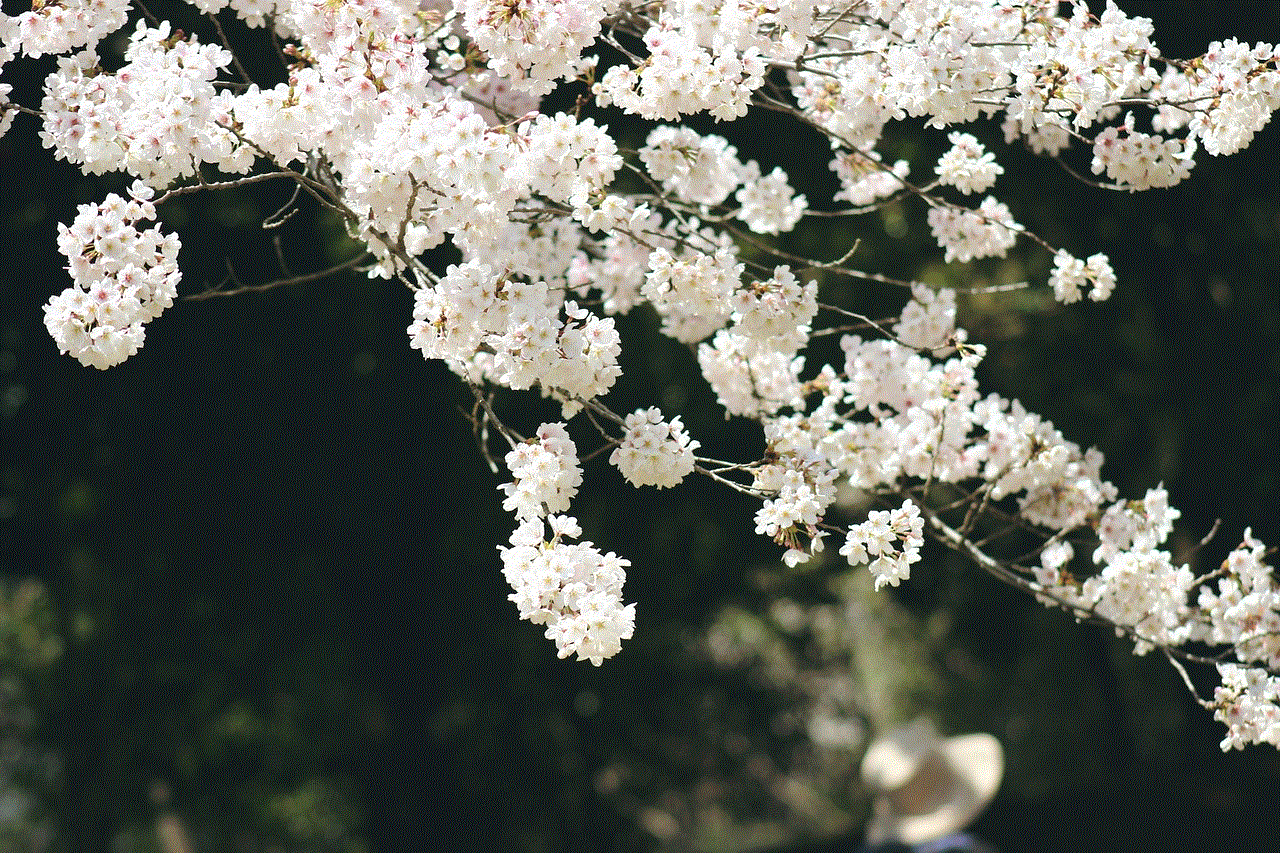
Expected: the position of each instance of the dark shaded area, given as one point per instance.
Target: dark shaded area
(270, 541)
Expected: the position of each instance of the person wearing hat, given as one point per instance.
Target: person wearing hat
(928, 789)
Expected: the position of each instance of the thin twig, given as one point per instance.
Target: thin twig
(215, 292)
(235, 60)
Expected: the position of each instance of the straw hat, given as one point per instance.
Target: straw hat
(926, 787)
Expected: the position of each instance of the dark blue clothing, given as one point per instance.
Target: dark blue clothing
(960, 842)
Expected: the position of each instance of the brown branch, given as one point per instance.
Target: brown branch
(216, 292)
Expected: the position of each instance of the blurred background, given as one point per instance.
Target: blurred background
(250, 598)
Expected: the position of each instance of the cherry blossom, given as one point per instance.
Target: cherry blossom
(421, 126)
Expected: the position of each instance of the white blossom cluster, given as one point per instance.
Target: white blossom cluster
(705, 170)
(1140, 161)
(158, 117)
(966, 234)
(802, 486)
(546, 474)
(419, 125)
(123, 278)
(6, 114)
(490, 325)
(1135, 525)
(968, 166)
(928, 423)
(1144, 591)
(888, 542)
(572, 588)
(863, 180)
(769, 205)
(1141, 589)
(987, 232)
(1070, 277)
(928, 321)
(697, 169)
(693, 292)
(60, 26)
(753, 365)
(535, 42)
(1244, 613)
(616, 265)
(1081, 67)
(253, 12)
(748, 379)
(654, 452)
(775, 314)
(1060, 486)
(1239, 82)
(682, 76)
(1248, 702)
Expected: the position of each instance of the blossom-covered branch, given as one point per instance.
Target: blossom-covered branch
(420, 125)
